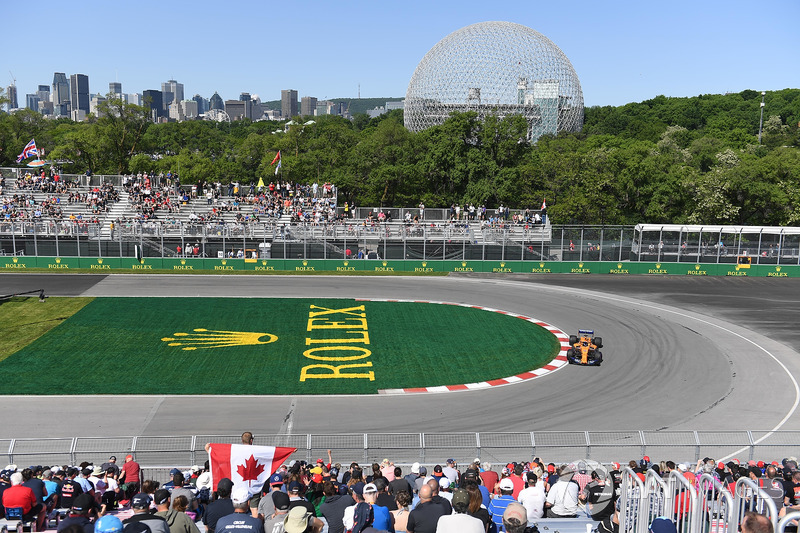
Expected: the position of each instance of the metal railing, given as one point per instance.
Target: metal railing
(406, 448)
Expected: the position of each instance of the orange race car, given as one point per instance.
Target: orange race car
(585, 348)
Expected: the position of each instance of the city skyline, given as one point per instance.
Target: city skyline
(622, 51)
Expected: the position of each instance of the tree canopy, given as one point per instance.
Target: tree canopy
(664, 160)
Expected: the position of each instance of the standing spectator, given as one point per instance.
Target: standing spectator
(400, 483)
(332, 509)
(489, 476)
(425, 516)
(451, 472)
(129, 477)
(222, 506)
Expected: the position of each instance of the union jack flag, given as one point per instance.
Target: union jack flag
(29, 150)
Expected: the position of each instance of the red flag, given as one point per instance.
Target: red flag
(277, 158)
(544, 203)
(247, 466)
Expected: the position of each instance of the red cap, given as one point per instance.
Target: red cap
(751, 463)
(320, 461)
(774, 463)
(737, 461)
(646, 458)
(760, 464)
(721, 466)
(551, 468)
(316, 478)
(615, 465)
(128, 457)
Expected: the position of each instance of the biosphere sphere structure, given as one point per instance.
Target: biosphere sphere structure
(496, 68)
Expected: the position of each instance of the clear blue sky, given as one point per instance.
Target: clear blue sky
(623, 51)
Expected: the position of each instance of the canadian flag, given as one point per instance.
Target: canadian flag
(544, 203)
(247, 466)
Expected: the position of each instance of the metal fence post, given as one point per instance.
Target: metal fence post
(11, 450)
(72, 450)
(478, 444)
(366, 447)
(422, 446)
(588, 445)
(644, 444)
(752, 446)
(192, 450)
(697, 446)
(533, 444)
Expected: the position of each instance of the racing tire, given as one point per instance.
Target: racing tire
(598, 356)
(573, 339)
(570, 355)
(598, 341)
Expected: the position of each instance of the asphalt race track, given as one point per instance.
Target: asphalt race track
(681, 353)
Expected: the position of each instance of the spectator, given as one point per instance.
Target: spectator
(274, 523)
(755, 523)
(181, 488)
(266, 505)
(515, 518)
(300, 521)
(18, 495)
(222, 506)
(489, 476)
(400, 483)
(562, 498)
(178, 521)
(79, 514)
(129, 477)
(382, 518)
(499, 504)
(384, 498)
(70, 489)
(241, 520)
(451, 472)
(472, 477)
(460, 521)
(296, 500)
(599, 496)
(348, 519)
(332, 509)
(402, 499)
(476, 507)
(516, 478)
(532, 498)
(425, 516)
(140, 503)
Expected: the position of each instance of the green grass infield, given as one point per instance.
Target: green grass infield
(273, 346)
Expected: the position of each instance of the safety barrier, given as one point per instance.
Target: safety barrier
(65, 263)
(748, 496)
(790, 519)
(716, 509)
(495, 447)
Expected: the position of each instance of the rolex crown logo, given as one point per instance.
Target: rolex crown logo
(502, 265)
(463, 263)
(658, 265)
(99, 261)
(697, 267)
(424, 263)
(15, 260)
(208, 338)
(263, 262)
(619, 265)
(777, 269)
(346, 263)
(384, 263)
(183, 261)
(58, 260)
(541, 265)
(580, 265)
(305, 263)
(224, 261)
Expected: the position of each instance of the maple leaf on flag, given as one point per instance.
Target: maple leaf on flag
(250, 470)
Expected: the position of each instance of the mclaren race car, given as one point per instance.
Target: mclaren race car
(585, 348)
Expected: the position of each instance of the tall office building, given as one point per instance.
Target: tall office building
(152, 99)
(115, 88)
(216, 102)
(60, 95)
(11, 94)
(288, 103)
(43, 93)
(308, 106)
(202, 104)
(32, 102)
(171, 91)
(79, 93)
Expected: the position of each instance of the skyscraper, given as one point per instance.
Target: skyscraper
(43, 93)
(308, 106)
(152, 99)
(32, 102)
(11, 94)
(288, 103)
(216, 102)
(171, 91)
(115, 88)
(202, 104)
(79, 92)
(60, 95)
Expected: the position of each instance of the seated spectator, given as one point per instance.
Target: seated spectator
(18, 495)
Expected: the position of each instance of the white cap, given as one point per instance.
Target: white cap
(415, 468)
(506, 484)
(240, 495)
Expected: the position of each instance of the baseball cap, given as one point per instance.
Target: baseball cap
(423, 471)
(276, 479)
(370, 488)
(240, 495)
(320, 461)
(358, 488)
(444, 482)
(108, 524)
(662, 524)
(437, 470)
(415, 468)
(83, 503)
(317, 478)
(161, 496)
(281, 500)
(471, 474)
(531, 475)
(129, 456)
(225, 484)
(515, 511)
(551, 468)
(141, 501)
(294, 486)
(451, 461)
(460, 496)
(506, 484)
(174, 471)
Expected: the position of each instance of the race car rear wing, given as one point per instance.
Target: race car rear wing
(588, 332)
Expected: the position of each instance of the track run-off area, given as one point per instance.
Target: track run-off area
(680, 354)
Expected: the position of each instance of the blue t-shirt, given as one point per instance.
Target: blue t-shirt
(497, 507)
(380, 518)
(239, 523)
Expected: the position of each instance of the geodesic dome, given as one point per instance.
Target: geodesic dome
(496, 68)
